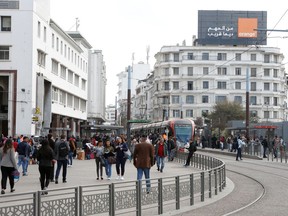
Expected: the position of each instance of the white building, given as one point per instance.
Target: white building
(43, 72)
(97, 87)
(111, 114)
(191, 79)
(139, 72)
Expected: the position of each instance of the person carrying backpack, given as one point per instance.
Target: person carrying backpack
(171, 148)
(61, 152)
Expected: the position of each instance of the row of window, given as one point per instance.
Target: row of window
(222, 71)
(176, 99)
(68, 75)
(69, 100)
(220, 85)
(268, 58)
(63, 48)
(5, 23)
(189, 113)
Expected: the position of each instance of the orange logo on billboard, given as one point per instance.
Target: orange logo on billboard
(246, 27)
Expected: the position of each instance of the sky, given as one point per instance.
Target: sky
(122, 27)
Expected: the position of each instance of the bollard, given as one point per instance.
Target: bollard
(191, 189)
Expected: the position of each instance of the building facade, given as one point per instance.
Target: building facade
(190, 80)
(43, 72)
(111, 114)
(96, 87)
(138, 74)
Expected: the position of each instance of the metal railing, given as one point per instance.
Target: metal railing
(129, 197)
(279, 154)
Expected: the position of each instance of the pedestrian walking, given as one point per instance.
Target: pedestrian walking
(8, 165)
(192, 148)
(72, 148)
(52, 145)
(23, 150)
(120, 148)
(108, 152)
(99, 151)
(265, 146)
(160, 153)
(241, 143)
(171, 148)
(45, 157)
(61, 153)
(143, 160)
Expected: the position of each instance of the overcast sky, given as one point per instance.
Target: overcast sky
(122, 27)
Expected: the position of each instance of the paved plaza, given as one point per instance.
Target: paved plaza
(83, 172)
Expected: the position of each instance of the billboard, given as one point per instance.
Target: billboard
(232, 27)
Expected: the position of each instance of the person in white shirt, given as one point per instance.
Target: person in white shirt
(239, 149)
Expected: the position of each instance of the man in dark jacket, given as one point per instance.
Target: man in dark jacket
(143, 160)
(265, 146)
(23, 150)
(61, 153)
(52, 145)
(192, 148)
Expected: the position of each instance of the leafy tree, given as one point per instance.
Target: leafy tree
(199, 122)
(226, 111)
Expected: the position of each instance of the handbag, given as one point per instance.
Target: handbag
(111, 160)
(102, 160)
(16, 175)
(127, 153)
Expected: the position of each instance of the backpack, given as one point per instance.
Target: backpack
(63, 149)
(172, 144)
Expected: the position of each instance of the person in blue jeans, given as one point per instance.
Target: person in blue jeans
(23, 150)
(161, 153)
(120, 148)
(71, 151)
(143, 160)
(108, 152)
(61, 154)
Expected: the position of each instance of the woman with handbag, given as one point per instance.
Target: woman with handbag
(110, 159)
(120, 149)
(8, 165)
(99, 150)
(45, 157)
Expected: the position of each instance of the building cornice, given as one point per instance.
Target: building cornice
(60, 31)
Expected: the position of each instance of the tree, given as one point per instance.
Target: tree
(224, 112)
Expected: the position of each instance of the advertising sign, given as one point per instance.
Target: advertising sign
(232, 27)
(247, 27)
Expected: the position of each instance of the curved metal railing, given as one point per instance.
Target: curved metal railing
(127, 198)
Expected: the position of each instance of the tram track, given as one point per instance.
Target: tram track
(251, 203)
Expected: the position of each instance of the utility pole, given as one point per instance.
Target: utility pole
(129, 106)
(116, 110)
(247, 102)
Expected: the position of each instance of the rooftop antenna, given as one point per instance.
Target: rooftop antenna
(147, 53)
(77, 24)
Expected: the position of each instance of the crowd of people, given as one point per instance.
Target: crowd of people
(55, 155)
